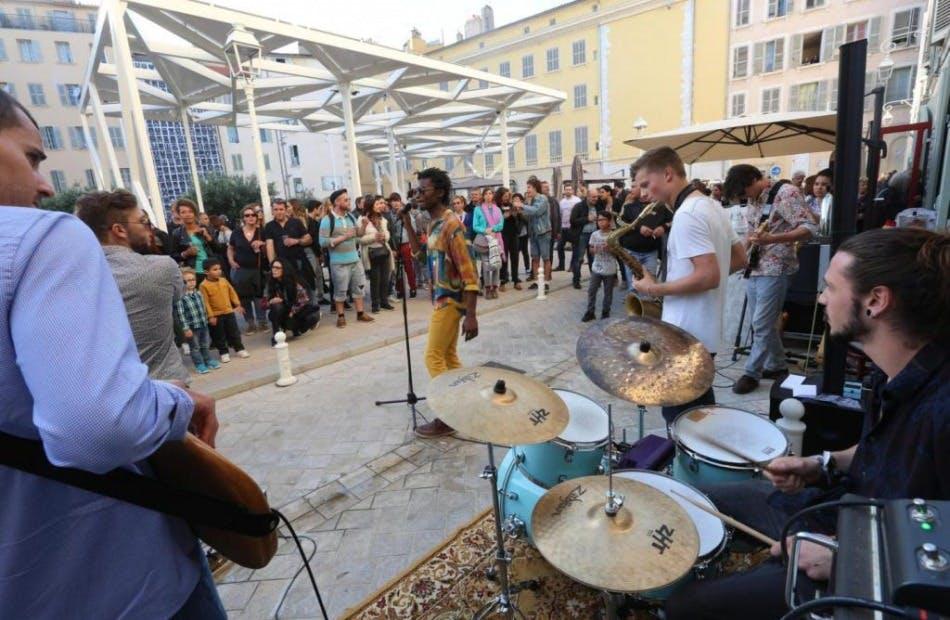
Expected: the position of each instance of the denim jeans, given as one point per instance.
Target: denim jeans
(766, 295)
(204, 602)
(647, 259)
(608, 282)
(577, 255)
(200, 346)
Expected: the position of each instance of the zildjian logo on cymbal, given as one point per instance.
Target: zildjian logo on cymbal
(465, 379)
(573, 497)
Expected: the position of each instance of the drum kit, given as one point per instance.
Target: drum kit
(629, 533)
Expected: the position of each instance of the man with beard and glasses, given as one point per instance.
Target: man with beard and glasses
(888, 290)
(150, 284)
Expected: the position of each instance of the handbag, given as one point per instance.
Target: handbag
(378, 252)
(494, 253)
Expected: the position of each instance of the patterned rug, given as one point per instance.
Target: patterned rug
(450, 583)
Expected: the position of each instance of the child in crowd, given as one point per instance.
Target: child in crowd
(190, 312)
(221, 302)
(604, 268)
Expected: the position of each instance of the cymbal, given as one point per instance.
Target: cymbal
(497, 406)
(650, 543)
(645, 361)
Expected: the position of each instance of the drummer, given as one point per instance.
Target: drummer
(889, 291)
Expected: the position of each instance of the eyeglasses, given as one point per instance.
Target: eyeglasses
(250, 215)
(144, 222)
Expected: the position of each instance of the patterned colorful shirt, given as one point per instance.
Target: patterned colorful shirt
(451, 261)
(788, 213)
(191, 311)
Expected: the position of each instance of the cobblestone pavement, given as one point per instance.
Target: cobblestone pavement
(368, 496)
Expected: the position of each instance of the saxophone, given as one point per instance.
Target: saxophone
(636, 306)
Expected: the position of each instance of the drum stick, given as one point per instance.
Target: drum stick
(742, 527)
(736, 451)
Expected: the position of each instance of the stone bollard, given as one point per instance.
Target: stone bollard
(791, 423)
(540, 280)
(283, 361)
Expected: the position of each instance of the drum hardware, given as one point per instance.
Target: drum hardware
(614, 500)
(742, 527)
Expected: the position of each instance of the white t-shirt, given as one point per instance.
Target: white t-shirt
(567, 205)
(700, 226)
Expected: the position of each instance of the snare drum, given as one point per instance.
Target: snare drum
(517, 495)
(712, 533)
(699, 461)
(578, 451)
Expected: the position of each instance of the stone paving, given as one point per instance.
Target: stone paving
(368, 497)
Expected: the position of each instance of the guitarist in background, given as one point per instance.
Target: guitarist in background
(775, 225)
(71, 377)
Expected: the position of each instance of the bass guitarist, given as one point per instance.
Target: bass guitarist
(776, 224)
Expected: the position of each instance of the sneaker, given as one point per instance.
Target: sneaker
(605, 314)
(225, 358)
(250, 330)
(202, 369)
(364, 318)
(387, 306)
(324, 301)
(518, 286)
(775, 374)
(577, 285)
(745, 384)
(558, 268)
(185, 349)
(347, 305)
(412, 294)
(340, 320)
(435, 428)
(503, 287)
(262, 326)
(547, 288)
(214, 364)
(534, 286)
(588, 316)
(375, 310)
(243, 354)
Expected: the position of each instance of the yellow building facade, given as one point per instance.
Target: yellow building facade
(620, 62)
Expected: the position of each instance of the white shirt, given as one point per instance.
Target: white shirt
(567, 204)
(700, 226)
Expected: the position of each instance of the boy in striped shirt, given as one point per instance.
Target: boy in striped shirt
(190, 309)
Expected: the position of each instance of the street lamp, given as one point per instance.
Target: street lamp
(640, 124)
(877, 148)
(243, 55)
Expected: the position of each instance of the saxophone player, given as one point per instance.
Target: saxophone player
(777, 223)
(701, 252)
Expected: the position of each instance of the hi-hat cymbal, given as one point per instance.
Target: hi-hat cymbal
(645, 361)
(497, 406)
(650, 543)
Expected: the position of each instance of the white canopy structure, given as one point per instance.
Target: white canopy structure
(190, 61)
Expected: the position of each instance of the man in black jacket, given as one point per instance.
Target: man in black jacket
(583, 223)
(644, 242)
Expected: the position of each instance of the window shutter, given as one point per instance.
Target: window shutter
(870, 81)
(757, 58)
(839, 38)
(779, 54)
(773, 8)
(833, 96)
(796, 51)
(821, 96)
(790, 7)
(827, 44)
(874, 35)
(793, 98)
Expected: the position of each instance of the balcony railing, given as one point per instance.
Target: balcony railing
(51, 23)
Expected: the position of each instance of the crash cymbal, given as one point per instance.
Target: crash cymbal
(650, 543)
(645, 361)
(497, 406)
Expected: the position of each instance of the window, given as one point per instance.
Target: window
(3, 51)
(92, 136)
(64, 54)
(779, 8)
(531, 150)
(808, 97)
(906, 30)
(237, 162)
(901, 84)
(332, 183)
(814, 4)
(869, 29)
(59, 180)
(62, 21)
(740, 62)
(449, 164)
(115, 135)
(511, 157)
(578, 52)
(580, 96)
(52, 139)
(526, 29)
(298, 185)
(554, 146)
(29, 50)
(233, 136)
(527, 66)
(76, 138)
(90, 178)
(37, 96)
(24, 19)
(444, 86)
(69, 94)
(806, 48)
(8, 88)
(769, 56)
(489, 163)
(266, 161)
(553, 59)
(742, 12)
(265, 135)
(294, 155)
(126, 177)
(580, 141)
(483, 83)
(770, 100)
(738, 105)
(504, 69)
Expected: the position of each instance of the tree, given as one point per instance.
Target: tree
(64, 201)
(227, 195)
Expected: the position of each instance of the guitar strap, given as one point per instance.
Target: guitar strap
(28, 455)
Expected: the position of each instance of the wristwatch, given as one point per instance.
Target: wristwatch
(828, 465)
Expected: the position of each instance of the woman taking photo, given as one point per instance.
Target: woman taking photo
(487, 222)
(246, 257)
(377, 258)
(288, 303)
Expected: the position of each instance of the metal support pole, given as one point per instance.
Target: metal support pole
(377, 178)
(349, 129)
(505, 164)
(393, 167)
(258, 150)
(93, 153)
(873, 169)
(132, 112)
(186, 127)
(103, 128)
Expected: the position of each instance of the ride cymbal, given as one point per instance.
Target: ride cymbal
(645, 361)
(497, 406)
(650, 543)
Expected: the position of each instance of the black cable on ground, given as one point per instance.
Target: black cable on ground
(306, 565)
(845, 601)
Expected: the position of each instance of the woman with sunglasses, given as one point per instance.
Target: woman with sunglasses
(247, 259)
(288, 303)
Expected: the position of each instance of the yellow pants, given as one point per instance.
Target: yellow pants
(443, 339)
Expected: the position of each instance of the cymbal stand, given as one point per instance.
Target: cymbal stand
(502, 603)
(614, 500)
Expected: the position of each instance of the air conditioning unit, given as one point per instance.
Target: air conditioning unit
(941, 21)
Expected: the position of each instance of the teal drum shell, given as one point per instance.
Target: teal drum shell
(518, 495)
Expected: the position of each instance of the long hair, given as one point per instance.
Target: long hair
(915, 265)
(287, 285)
(499, 194)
